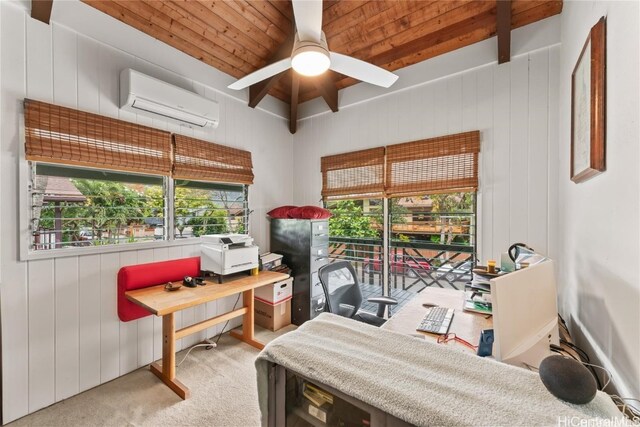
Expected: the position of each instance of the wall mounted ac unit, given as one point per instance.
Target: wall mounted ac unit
(143, 94)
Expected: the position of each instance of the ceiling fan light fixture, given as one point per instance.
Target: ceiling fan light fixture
(310, 59)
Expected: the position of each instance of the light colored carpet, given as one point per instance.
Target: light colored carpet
(223, 393)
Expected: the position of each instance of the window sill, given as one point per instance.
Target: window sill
(94, 250)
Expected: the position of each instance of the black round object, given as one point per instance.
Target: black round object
(567, 379)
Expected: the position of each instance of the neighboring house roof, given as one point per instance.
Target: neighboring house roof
(415, 202)
(59, 189)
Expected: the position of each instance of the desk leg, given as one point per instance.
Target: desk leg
(247, 322)
(167, 372)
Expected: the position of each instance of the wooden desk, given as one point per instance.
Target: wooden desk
(165, 304)
(465, 325)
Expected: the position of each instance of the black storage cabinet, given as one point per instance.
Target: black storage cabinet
(304, 245)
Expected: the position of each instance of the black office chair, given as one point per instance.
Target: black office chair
(344, 296)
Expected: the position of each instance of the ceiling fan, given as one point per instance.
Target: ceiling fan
(311, 56)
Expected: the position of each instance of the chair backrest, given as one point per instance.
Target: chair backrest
(340, 284)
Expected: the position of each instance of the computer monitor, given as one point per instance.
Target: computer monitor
(525, 315)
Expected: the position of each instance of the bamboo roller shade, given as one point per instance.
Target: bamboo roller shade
(55, 134)
(199, 160)
(435, 165)
(353, 175)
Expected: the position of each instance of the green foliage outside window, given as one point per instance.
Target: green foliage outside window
(112, 209)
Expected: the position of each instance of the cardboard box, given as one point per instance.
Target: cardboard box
(271, 316)
(275, 293)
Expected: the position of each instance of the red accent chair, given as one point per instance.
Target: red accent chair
(144, 275)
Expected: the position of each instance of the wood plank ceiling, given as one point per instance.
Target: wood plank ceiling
(238, 37)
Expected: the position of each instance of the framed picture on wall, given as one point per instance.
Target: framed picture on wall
(588, 104)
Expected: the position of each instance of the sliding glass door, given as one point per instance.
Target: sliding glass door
(431, 241)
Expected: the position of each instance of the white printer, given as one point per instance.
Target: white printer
(225, 254)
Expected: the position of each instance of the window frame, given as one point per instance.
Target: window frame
(24, 251)
(27, 168)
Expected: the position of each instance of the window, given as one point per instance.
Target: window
(73, 207)
(98, 181)
(427, 190)
(209, 208)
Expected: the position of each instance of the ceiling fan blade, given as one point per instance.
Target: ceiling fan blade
(261, 74)
(308, 17)
(361, 70)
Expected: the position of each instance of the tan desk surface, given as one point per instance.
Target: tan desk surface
(160, 302)
(465, 325)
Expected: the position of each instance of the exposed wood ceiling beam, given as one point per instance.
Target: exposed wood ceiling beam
(260, 89)
(293, 110)
(41, 10)
(328, 90)
(241, 36)
(503, 28)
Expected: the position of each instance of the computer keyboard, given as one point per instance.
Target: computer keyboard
(437, 320)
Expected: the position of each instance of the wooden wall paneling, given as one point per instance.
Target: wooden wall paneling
(500, 212)
(120, 61)
(469, 122)
(440, 113)
(538, 167)
(88, 74)
(553, 153)
(518, 150)
(484, 108)
(39, 62)
(454, 102)
(40, 274)
(392, 123)
(14, 285)
(65, 92)
(41, 334)
(406, 129)
(65, 67)
(128, 330)
(67, 326)
(90, 316)
(469, 102)
(146, 335)
(109, 322)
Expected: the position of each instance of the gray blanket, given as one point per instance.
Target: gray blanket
(422, 383)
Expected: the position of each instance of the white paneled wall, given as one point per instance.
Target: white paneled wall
(514, 105)
(60, 330)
